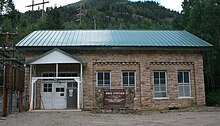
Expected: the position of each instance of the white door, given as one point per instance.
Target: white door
(53, 95)
(60, 95)
(47, 96)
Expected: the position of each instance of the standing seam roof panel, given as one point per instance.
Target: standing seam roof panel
(56, 41)
(62, 39)
(65, 43)
(173, 36)
(48, 38)
(24, 41)
(40, 39)
(34, 37)
(52, 41)
(194, 39)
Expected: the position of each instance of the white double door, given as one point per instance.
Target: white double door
(53, 95)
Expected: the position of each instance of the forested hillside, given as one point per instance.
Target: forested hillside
(91, 14)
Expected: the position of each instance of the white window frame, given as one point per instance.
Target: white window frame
(166, 97)
(128, 79)
(47, 87)
(103, 86)
(184, 84)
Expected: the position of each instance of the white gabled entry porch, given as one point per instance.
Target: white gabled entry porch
(59, 90)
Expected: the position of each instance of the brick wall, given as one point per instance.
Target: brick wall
(143, 63)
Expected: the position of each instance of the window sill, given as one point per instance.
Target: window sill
(185, 97)
(161, 98)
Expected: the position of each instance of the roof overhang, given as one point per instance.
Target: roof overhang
(162, 48)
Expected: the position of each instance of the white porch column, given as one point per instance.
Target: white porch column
(32, 94)
(30, 88)
(77, 79)
(81, 83)
(57, 69)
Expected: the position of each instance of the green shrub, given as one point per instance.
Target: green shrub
(213, 98)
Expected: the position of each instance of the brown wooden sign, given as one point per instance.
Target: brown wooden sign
(114, 98)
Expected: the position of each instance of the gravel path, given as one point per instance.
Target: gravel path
(86, 118)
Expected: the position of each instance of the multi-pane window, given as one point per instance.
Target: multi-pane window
(47, 88)
(128, 79)
(160, 84)
(184, 84)
(60, 89)
(104, 79)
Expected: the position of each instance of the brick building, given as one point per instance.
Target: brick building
(71, 69)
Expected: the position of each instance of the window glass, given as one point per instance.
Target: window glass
(125, 80)
(160, 90)
(47, 88)
(186, 77)
(100, 76)
(180, 88)
(156, 88)
(156, 75)
(128, 78)
(156, 82)
(162, 75)
(131, 80)
(104, 79)
(184, 84)
(162, 81)
(107, 76)
(180, 77)
(57, 89)
(187, 90)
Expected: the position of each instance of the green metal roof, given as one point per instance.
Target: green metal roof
(111, 38)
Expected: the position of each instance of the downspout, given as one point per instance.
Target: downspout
(93, 88)
(140, 83)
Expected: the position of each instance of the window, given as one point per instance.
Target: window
(160, 84)
(59, 89)
(103, 79)
(128, 79)
(47, 88)
(184, 89)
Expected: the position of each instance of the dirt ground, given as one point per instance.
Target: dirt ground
(197, 117)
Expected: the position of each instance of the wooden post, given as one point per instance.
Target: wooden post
(5, 95)
(5, 101)
(20, 101)
(33, 4)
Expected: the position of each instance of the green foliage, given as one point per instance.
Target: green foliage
(213, 98)
(7, 26)
(53, 19)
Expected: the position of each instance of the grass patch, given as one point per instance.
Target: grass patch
(213, 98)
